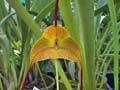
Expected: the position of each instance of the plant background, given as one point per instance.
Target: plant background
(93, 23)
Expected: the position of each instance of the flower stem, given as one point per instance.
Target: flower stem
(56, 12)
(26, 78)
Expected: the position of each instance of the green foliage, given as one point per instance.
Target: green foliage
(93, 23)
(115, 42)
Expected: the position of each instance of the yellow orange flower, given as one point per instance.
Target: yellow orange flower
(56, 43)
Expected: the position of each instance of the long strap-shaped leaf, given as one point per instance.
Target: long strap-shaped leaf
(115, 42)
(56, 43)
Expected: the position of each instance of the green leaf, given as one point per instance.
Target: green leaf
(1, 86)
(85, 11)
(6, 47)
(21, 11)
(69, 19)
(63, 76)
(113, 17)
(39, 5)
(44, 10)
